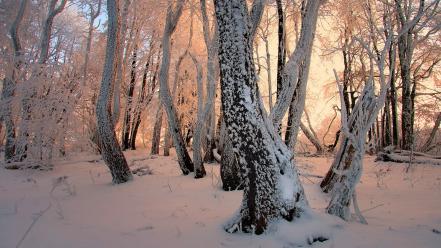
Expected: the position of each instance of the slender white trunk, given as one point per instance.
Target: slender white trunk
(173, 15)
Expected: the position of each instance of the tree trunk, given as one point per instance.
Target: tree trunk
(8, 90)
(429, 140)
(199, 169)
(93, 15)
(281, 47)
(120, 64)
(393, 97)
(156, 137)
(111, 151)
(312, 138)
(125, 142)
(265, 162)
(184, 159)
(298, 100)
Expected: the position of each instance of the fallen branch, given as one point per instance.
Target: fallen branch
(397, 158)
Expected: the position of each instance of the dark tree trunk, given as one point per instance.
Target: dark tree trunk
(156, 137)
(281, 48)
(125, 141)
(393, 97)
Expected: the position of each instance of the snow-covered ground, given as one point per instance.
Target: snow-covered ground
(76, 206)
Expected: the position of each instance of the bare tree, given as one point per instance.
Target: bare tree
(271, 185)
(173, 15)
(309, 22)
(8, 90)
(111, 151)
(93, 15)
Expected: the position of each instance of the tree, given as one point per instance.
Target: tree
(272, 188)
(173, 14)
(111, 151)
(8, 90)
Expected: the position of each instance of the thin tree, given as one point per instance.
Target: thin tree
(111, 151)
(184, 160)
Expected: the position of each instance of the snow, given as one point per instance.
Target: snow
(167, 209)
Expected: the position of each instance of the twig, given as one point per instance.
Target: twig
(38, 216)
(372, 208)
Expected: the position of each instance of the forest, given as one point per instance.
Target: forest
(224, 123)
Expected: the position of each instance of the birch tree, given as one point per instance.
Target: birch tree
(111, 151)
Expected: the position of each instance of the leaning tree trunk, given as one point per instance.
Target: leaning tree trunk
(272, 189)
(184, 159)
(111, 151)
(432, 134)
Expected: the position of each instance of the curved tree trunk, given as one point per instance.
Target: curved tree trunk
(271, 187)
(111, 151)
(184, 159)
(309, 21)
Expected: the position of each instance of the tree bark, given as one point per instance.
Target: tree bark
(93, 15)
(199, 169)
(265, 162)
(156, 137)
(184, 159)
(432, 134)
(111, 151)
(121, 63)
(125, 134)
(298, 100)
(8, 90)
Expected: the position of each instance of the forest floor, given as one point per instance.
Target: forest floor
(75, 205)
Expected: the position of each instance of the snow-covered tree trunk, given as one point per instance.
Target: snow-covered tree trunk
(111, 151)
(205, 118)
(272, 189)
(8, 90)
(31, 92)
(173, 15)
(311, 137)
(364, 113)
(211, 43)
(432, 134)
(297, 106)
(199, 170)
(120, 64)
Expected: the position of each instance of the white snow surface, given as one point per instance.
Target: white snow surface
(167, 209)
